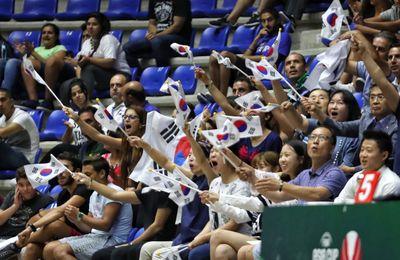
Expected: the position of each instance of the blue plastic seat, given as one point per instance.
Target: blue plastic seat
(242, 38)
(71, 39)
(37, 10)
(212, 39)
(152, 79)
(137, 34)
(359, 97)
(52, 205)
(10, 174)
(132, 234)
(185, 74)
(78, 9)
(317, 6)
(203, 8)
(22, 36)
(55, 191)
(124, 10)
(6, 9)
(55, 127)
(138, 233)
(37, 116)
(117, 34)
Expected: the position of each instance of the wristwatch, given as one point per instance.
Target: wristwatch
(80, 216)
(281, 186)
(33, 228)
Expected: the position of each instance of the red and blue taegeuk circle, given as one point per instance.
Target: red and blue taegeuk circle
(262, 69)
(241, 125)
(46, 171)
(331, 19)
(182, 105)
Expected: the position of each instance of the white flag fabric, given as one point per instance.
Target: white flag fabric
(40, 174)
(163, 134)
(195, 124)
(28, 67)
(332, 21)
(183, 50)
(223, 60)
(263, 70)
(248, 126)
(182, 108)
(169, 253)
(273, 52)
(172, 83)
(105, 119)
(222, 137)
(252, 101)
(330, 67)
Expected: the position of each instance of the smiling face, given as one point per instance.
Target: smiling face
(288, 160)
(131, 122)
(78, 96)
(49, 37)
(294, 67)
(337, 109)
(93, 27)
(371, 157)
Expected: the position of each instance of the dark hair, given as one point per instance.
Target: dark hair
(386, 35)
(20, 173)
(67, 156)
(300, 55)
(332, 139)
(81, 84)
(8, 92)
(205, 147)
(55, 29)
(381, 138)
(232, 102)
(87, 109)
(276, 16)
(300, 148)
(102, 20)
(247, 80)
(83, 27)
(139, 95)
(351, 103)
(270, 157)
(98, 164)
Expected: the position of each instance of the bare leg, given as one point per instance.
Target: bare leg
(225, 73)
(267, 4)
(52, 70)
(224, 252)
(64, 252)
(239, 8)
(32, 251)
(48, 251)
(214, 70)
(30, 83)
(245, 253)
(234, 239)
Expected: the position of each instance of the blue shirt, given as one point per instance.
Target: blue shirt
(327, 176)
(194, 215)
(149, 107)
(264, 44)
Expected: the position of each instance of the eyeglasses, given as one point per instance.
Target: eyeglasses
(319, 137)
(130, 117)
(380, 98)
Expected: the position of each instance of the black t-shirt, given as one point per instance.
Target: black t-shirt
(28, 209)
(150, 203)
(163, 11)
(80, 190)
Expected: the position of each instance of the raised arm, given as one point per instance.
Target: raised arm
(296, 120)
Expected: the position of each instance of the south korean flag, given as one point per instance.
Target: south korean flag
(248, 126)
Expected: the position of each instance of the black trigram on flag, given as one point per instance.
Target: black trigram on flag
(159, 169)
(169, 133)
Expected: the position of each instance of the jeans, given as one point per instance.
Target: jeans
(121, 253)
(158, 48)
(201, 252)
(11, 159)
(11, 72)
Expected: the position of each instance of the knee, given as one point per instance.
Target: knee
(217, 236)
(89, 68)
(13, 63)
(30, 248)
(227, 54)
(212, 60)
(48, 250)
(223, 251)
(53, 62)
(61, 251)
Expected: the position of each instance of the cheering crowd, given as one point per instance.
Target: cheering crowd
(132, 183)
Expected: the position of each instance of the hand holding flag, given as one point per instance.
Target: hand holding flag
(172, 83)
(222, 137)
(183, 50)
(249, 126)
(182, 108)
(332, 21)
(273, 52)
(106, 120)
(227, 62)
(252, 101)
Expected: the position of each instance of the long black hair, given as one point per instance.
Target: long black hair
(351, 103)
(103, 20)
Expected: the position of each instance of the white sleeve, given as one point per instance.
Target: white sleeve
(21, 119)
(349, 191)
(109, 46)
(252, 203)
(238, 215)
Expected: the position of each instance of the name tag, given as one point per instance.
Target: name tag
(366, 190)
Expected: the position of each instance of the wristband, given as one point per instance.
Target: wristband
(280, 186)
(79, 216)
(33, 228)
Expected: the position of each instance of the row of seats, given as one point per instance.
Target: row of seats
(37, 10)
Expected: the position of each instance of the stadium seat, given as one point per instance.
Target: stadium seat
(10, 174)
(43, 188)
(37, 116)
(55, 191)
(52, 205)
(138, 233)
(317, 6)
(242, 38)
(6, 9)
(71, 40)
(117, 34)
(212, 39)
(137, 34)
(227, 7)
(37, 10)
(78, 9)
(132, 234)
(55, 127)
(203, 8)
(124, 10)
(185, 74)
(22, 36)
(152, 79)
(134, 73)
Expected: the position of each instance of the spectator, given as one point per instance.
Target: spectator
(50, 222)
(108, 222)
(18, 134)
(376, 148)
(6, 53)
(19, 206)
(117, 107)
(47, 60)
(372, 16)
(133, 94)
(323, 181)
(223, 76)
(295, 71)
(169, 22)
(101, 56)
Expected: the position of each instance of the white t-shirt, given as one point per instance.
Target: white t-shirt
(389, 184)
(77, 135)
(237, 187)
(25, 141)
(117, 112)
(109, 47)
(122, 224)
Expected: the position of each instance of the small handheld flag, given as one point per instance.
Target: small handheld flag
(106, 119)
(227, 62)
(222, 137)
(172, 83)
(332, 21)
(249, 126)
(252, 101)
(183, 50)
(181, 106)
(273, 52)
